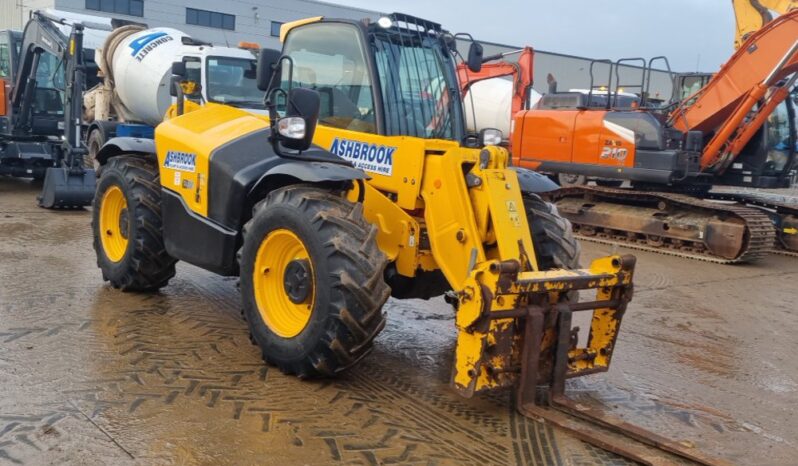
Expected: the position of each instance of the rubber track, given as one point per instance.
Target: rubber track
(761, 232)
(767, 202)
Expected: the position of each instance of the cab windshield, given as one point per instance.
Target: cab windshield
(231, 81)
(415, 81)
(416, 88)
(780, 139)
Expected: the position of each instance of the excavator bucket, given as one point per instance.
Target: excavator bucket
(66, 188)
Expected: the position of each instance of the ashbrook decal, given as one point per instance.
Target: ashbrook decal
(145, 44)
(182, 161)
(373, 158)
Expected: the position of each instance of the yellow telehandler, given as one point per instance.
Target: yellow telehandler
(362, 183)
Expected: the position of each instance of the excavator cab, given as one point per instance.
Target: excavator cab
(769, 158)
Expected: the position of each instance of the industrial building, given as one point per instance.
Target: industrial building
(259, 21)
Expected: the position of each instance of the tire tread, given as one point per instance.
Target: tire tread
(149, 266)
(356, 266)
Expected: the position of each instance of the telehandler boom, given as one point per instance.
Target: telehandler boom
(361, 184)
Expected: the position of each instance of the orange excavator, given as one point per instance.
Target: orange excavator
(737, 130)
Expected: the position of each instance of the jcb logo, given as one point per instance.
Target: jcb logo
(615, 153)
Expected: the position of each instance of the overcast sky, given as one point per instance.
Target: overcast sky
(686, 31)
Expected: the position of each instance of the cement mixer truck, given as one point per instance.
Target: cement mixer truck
(71, 80)
(135, 65)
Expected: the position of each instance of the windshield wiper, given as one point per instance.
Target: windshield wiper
(245, 104)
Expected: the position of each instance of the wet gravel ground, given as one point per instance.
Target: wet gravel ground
(89, 375)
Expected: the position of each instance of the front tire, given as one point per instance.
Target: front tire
(312, 281)
(552, 235)
(555, 248)
(127, 226)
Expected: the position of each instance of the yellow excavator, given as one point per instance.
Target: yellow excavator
(364, 183)
(751, 15)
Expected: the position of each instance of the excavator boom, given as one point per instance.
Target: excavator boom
(754, 73)
(716, 136)
(520, 71)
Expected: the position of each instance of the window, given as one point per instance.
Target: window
(232, 81)
(211, 19)
(779, 136)
(415, 87)
(330, 59)
(124, 7)
(5, 59)
(48, 98)
(276, 25)
(193, 69)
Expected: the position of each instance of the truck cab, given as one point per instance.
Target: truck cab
(134, 96)
(226, 74)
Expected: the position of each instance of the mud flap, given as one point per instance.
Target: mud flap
(67, 189)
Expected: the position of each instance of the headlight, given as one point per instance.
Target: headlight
(385, 22)
(291, 127)
(490, 137)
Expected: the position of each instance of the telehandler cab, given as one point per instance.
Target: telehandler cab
(388, 195)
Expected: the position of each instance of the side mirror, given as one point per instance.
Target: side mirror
(295, 130)
(178, 73)
(179, 69)
(268, 60)
(475, 53)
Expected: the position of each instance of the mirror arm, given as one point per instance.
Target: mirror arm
(181, 104)
(271, 106)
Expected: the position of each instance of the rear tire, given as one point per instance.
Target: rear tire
(128, 239)
(332, 326)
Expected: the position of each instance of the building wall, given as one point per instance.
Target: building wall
(252, 23)
(254, 20)
(14, 13)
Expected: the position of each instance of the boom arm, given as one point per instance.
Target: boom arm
(521, 72)
(752, 15)
(759, 73)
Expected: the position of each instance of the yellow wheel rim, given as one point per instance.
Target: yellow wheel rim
(283, 283)
(114, 224)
